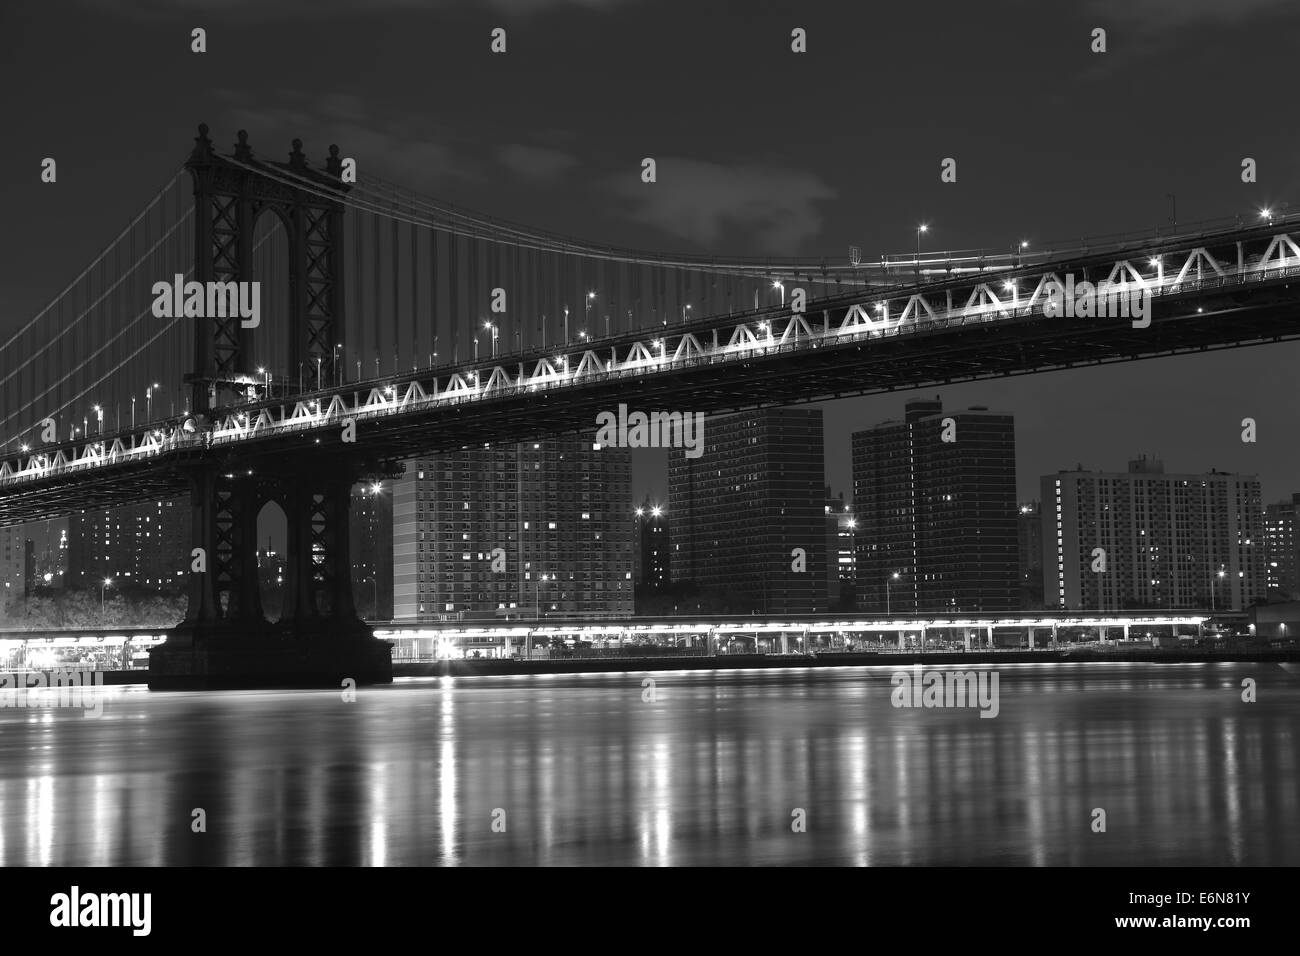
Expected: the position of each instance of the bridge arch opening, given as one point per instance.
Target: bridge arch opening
(271, 569)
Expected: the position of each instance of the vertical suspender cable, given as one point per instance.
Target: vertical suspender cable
(453, 294)
(433, 292)
(415, 298)
(397, 294)
(376, 312)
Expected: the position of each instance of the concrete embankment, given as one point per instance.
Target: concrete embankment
(600, 665)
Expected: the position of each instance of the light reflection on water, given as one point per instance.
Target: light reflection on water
(578, 769)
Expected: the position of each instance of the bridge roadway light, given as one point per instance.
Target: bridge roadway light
(1265, 213)
(919, 229)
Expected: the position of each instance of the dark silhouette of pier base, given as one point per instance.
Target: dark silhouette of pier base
(299, 655)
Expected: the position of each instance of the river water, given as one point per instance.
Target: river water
(762, 767)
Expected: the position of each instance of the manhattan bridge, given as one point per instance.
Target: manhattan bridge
(393, 325)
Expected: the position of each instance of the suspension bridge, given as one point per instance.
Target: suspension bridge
(393, 325)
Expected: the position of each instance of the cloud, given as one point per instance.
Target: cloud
(700, 201)
(1158, 16)
(539, 163)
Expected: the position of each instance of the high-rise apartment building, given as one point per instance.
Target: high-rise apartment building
(370, 541)
(142, 546)
(934, 497)
(17, 565)
(651, 568)
(1146, 539)
(1029, 528)
(748, 515)
(519, 529)
(1282, 549)
(839, 547)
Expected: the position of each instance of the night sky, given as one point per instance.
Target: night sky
(760, 151)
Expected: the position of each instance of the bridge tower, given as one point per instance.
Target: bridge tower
(225, 640)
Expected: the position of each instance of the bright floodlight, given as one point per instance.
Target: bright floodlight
(591, 295)
(107, 581)
(923, 228)
(895, 575)
(640, 512)
(1153, 261)
(1008, 285)
(1024, 243)
(656, 511)
(1263, 213)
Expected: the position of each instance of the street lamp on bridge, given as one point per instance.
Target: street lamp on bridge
(919, 229)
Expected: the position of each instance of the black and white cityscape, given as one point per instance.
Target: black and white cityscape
(612, 433)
